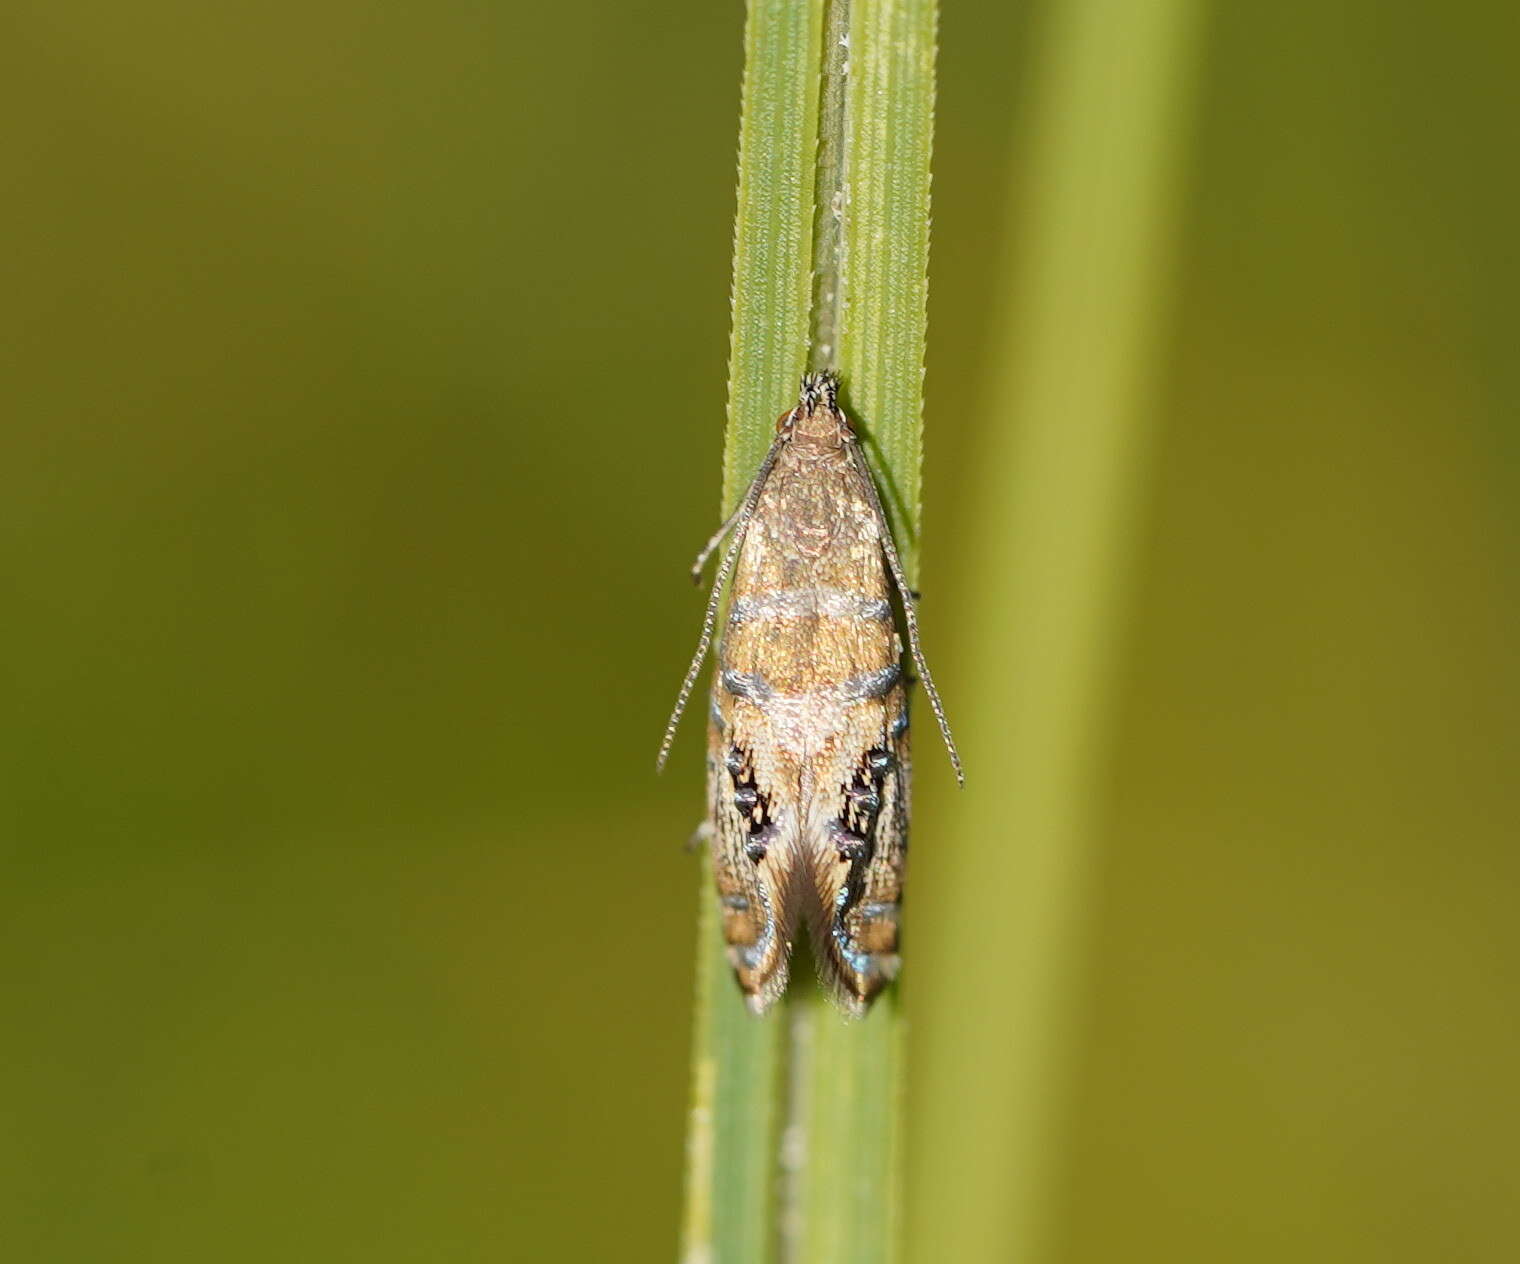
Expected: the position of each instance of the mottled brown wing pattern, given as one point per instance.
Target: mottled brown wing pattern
(856, 935)
(754, 885)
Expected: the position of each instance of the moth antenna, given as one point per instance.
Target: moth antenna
(709, 622)
(910, 614)
(738, 522)
(717, 539)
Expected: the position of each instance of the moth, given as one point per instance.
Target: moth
(808, 756)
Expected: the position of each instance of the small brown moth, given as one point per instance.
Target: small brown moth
(807, 747)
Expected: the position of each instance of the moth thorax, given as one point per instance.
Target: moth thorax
(820, 429)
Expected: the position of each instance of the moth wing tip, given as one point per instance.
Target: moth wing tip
(760, 999)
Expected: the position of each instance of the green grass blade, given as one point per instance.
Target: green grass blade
(883, 320)
(738, 1060)
(773, 228)
(845, 1135)
(738, 1094)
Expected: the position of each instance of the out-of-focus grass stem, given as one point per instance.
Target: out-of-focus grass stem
(1061, 470)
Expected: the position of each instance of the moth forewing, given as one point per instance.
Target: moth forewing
(808, 755)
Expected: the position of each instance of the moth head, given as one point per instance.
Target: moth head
(816, 419)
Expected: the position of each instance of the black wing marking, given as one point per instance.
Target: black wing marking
(855, 936)
(751, 868)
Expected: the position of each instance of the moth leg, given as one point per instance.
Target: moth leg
(717, 539)
(700, 837)
(909, 604)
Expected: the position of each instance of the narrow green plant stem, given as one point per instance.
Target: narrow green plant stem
(794, 1152)
(1062, 465)
(883, 319)
(739, 1090)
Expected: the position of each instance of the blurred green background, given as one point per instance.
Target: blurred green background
(364, 377)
